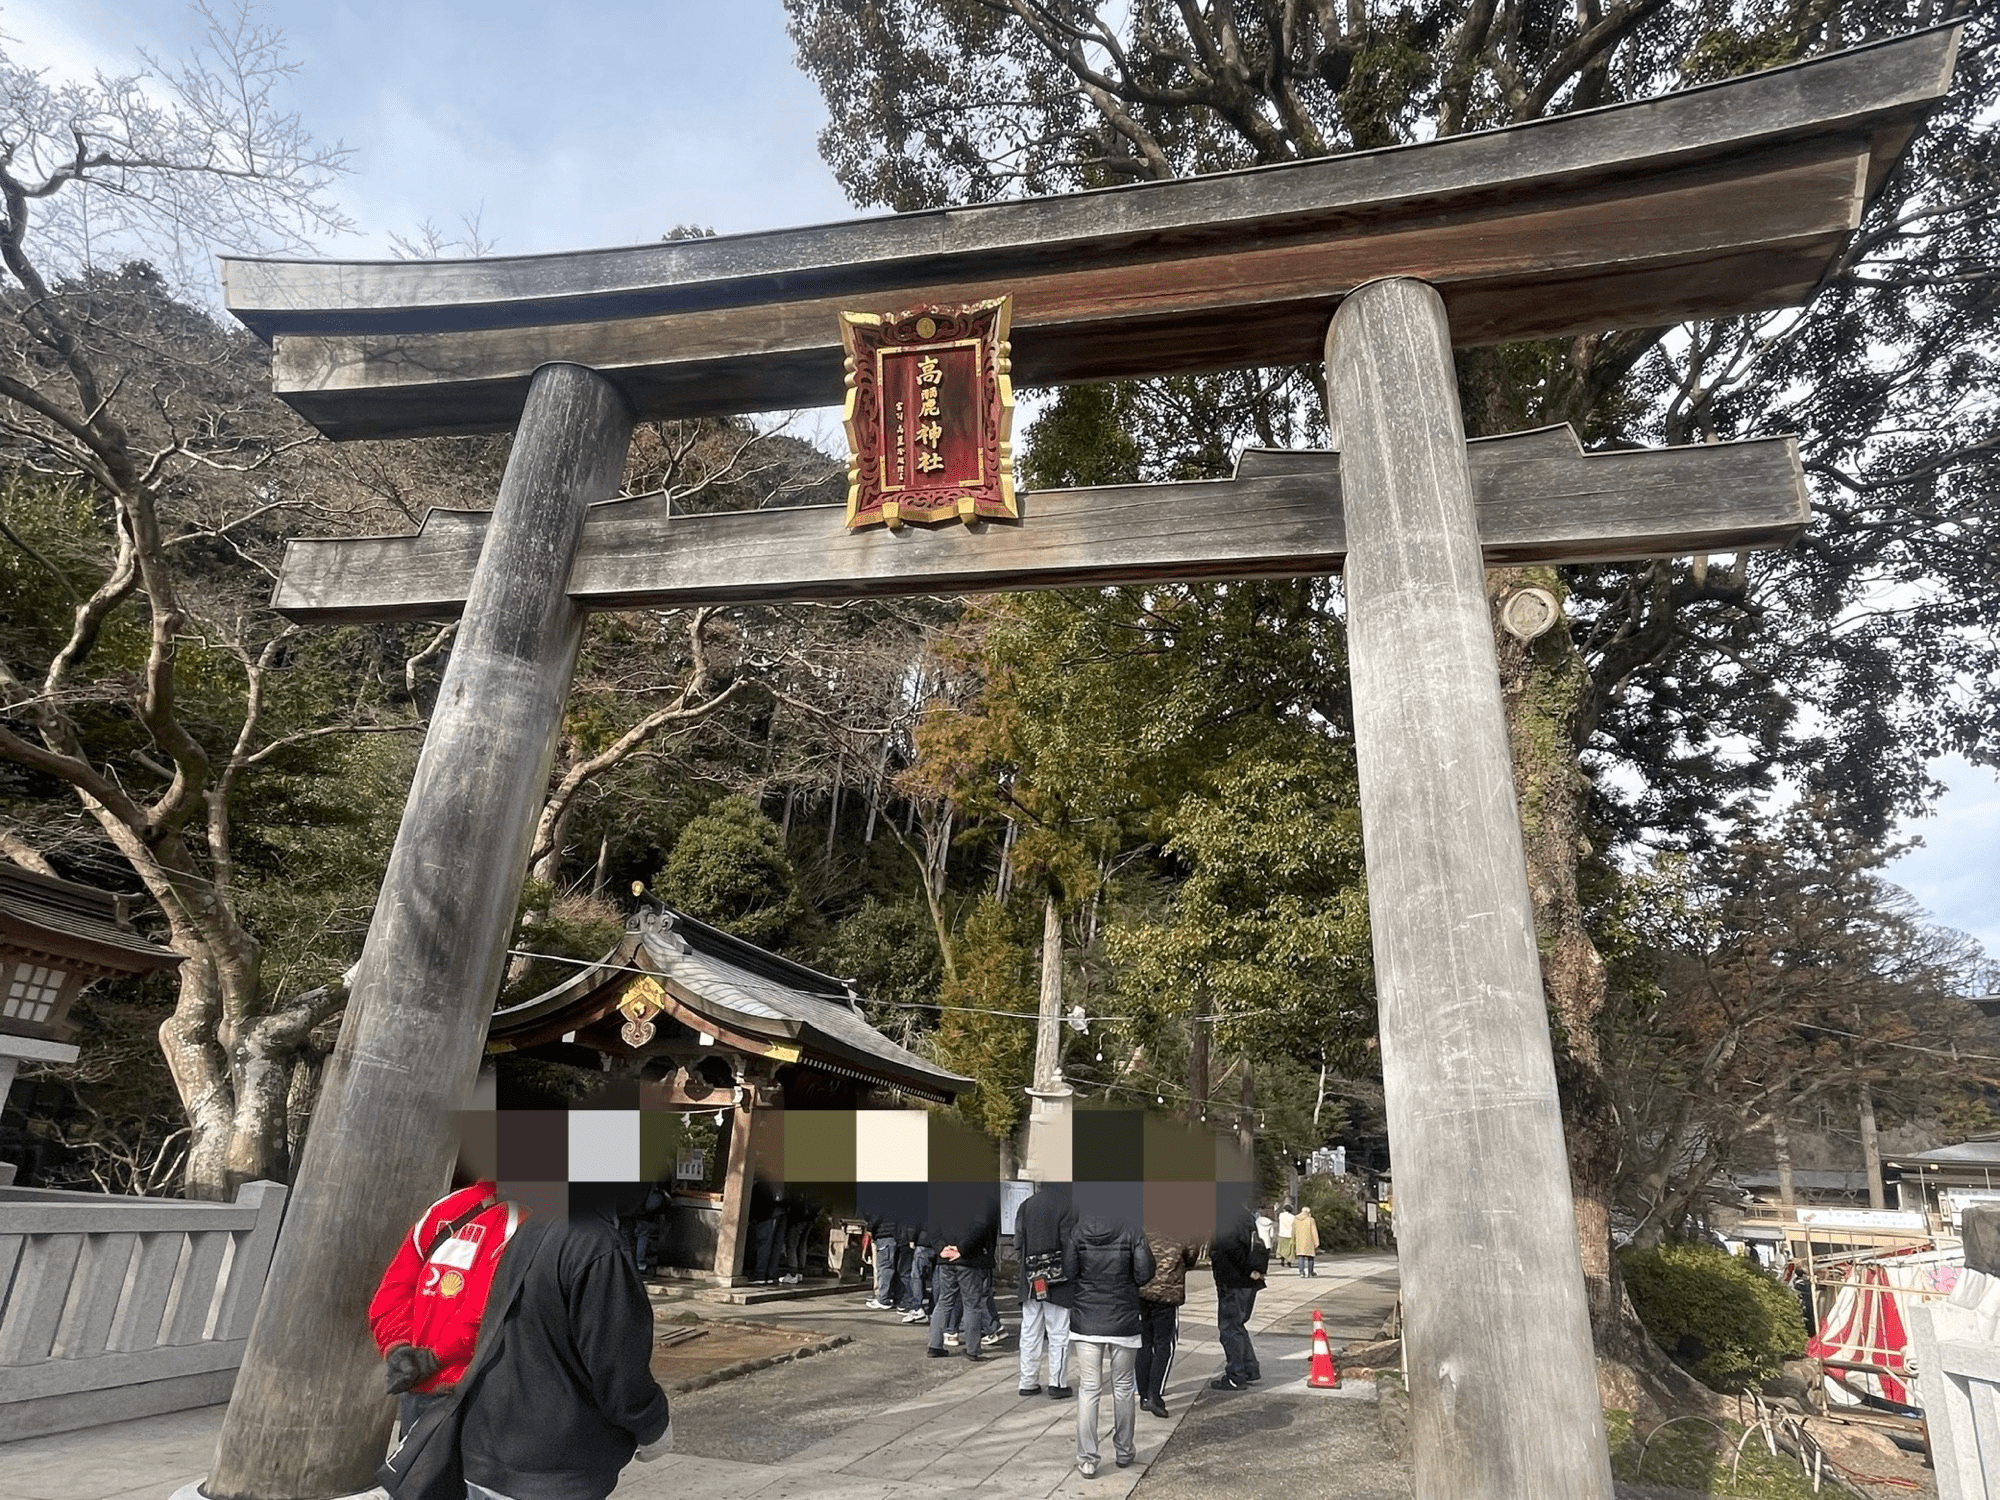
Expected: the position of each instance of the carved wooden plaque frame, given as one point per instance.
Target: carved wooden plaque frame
(929, 415)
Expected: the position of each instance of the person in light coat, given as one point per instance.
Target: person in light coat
(1305, 1241)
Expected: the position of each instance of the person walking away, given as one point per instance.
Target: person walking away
(965, 1271)
(1267, 1229)
(1042, 1227)
(1159, 1318)
(885, 1237)
(1286, 1219)
(567, 1398)
(1305, 1236)
(1108, 1263)
(426, 1310)
(1239, 1260)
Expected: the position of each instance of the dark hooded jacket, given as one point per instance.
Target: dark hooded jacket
(1042, 1226)
(569, 1394)
(1238, 1251)
(1106, 1264)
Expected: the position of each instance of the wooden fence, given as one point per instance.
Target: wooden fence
(113, 1307)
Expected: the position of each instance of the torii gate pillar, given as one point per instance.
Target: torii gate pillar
(308, 1417)
(1503, 1383)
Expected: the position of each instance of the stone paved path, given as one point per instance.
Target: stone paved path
(971, 1434)
(901, 1425)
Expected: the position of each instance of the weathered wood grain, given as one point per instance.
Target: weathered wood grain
(1540, 499)
(307, 1416)
(1503, 1383)
(1712, 201)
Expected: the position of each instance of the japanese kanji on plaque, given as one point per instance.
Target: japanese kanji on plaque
(929, 408)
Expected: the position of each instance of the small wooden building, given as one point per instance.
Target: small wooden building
(701, 1021)
(57, 937)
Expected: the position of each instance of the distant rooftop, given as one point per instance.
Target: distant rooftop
(1765, 1179)
(1980, 1151)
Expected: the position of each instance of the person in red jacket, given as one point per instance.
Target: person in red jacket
(426, 1312)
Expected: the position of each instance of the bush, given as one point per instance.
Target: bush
(1341, 1225)
(1717, 1314)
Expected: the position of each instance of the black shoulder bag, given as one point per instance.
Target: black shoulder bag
(426, 1464)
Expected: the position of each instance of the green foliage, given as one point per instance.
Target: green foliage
(1717, 1314)
(573, 927)
(1342, 1223)
(889, 949)
(1083, 438)
(998, 980)
(1287, 1090)
(729, 868)
(1270, 924)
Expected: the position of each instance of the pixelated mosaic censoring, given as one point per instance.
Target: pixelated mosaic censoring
(911, 1166)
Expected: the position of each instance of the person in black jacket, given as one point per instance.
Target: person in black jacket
(1042, 1227)
(1106, 1263)
(1239, 1259)
(568, 1398)
(970, 1230)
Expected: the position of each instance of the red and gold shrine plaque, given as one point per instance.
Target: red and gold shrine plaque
(929, 408)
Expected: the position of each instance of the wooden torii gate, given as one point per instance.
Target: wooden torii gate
(1715, 201)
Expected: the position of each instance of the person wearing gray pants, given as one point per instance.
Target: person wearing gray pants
(1107, 1263)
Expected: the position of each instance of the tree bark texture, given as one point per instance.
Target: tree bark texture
(1048, 1023)
(1871, 1144)
(1503, 1386)
(1544, 685)
(308, 1419)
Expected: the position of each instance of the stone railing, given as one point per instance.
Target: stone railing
(1955, 1349)
(125, 1307)
(1957, 1362)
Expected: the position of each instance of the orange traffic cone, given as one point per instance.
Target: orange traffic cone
(1325, 1374)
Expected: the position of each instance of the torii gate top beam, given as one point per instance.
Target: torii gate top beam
(1724, 199)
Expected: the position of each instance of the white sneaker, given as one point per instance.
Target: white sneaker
(916, 1317)
(873, 1306)
(953, 1340)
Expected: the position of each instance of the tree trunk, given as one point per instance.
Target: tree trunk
(1048, 1025)
(875, 792)
(1544, 683)
(833, 813)
(1246, 1106)
(1197, 1064)
(1871, 1146)
(1781, 1146)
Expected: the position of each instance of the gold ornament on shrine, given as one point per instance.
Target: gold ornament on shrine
(643, 999)
(929, 415)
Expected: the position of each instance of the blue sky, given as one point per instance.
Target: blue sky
(606, 122)
(599, 122)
